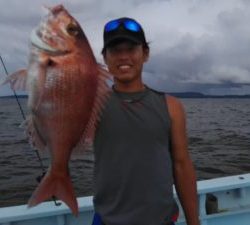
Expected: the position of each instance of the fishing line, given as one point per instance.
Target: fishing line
(39, 178)
(17, 100)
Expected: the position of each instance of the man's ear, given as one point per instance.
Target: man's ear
(146, 54)
(104, 58)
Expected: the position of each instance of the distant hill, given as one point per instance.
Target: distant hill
(200, 95)
(188, 94)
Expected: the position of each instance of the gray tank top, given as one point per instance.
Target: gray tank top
(133, 171)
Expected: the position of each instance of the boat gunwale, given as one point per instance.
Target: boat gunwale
(48, 209)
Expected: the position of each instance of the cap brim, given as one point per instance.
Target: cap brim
(119, 38)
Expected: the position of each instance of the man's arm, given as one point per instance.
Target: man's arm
(184, 173)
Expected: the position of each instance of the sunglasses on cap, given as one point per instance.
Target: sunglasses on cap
(128, 24)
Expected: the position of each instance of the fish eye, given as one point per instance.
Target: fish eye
(72, 29)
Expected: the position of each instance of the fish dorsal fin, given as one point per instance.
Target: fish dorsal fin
(103, 92)
(17, 80)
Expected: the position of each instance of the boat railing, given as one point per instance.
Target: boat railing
(222, 201)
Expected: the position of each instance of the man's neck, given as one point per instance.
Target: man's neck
(129, 87)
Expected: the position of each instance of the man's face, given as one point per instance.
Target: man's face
(125, 61)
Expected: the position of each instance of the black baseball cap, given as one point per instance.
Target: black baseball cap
(123, 29)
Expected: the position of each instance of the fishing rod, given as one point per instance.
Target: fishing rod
(39, 178)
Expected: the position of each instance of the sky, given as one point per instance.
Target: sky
(195, 45)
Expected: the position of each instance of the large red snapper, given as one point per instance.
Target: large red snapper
(67, 90)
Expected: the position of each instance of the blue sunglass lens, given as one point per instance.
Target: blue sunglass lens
(131, 25)
(128, 24)
(112, 25)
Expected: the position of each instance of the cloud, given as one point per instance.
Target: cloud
(195, 44)
(216, 54)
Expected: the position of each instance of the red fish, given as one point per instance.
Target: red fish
(67, 90)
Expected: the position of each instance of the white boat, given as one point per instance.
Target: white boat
(222, 201)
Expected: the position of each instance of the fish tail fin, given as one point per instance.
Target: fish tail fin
(58, 186)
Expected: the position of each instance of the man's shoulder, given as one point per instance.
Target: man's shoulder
(171, 100)
(175, 106)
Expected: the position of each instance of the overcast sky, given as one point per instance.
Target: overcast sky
(196, 45)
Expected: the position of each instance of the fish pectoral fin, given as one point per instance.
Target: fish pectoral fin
(35, 138)
(58, 186)
(17, 80)
(104, 74)
(42, 71)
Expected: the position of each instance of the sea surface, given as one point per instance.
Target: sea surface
(219, 144)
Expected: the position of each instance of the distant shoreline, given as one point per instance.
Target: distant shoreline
(200, 95)
(176, 94)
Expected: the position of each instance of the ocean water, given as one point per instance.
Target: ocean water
(219, 144)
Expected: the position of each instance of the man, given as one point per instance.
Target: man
(140, 144)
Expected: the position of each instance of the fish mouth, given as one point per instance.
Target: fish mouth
(37, 42)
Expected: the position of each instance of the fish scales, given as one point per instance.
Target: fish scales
(67, 90)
